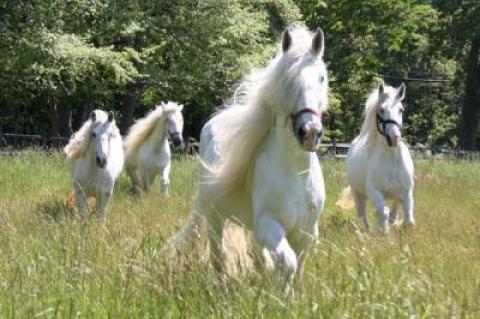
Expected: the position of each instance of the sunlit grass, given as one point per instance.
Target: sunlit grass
(52, 265)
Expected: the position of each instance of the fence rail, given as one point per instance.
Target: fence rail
(13, 144)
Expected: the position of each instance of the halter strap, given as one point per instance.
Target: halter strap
(384, 122)
(295, 115)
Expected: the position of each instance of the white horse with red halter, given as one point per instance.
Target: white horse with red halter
(379, 165)
(95, 153)
(259, 165)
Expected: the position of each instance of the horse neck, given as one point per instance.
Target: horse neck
(377, 142)
(287, 147)
(159, 133)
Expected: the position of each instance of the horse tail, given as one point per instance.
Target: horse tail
(194, 235)
(346, 199)
(237, 259)
(191, 234)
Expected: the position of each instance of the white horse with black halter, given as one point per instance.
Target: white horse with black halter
(379, 165)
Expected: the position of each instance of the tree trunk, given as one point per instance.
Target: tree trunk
(129, 105)
(52, 117)
(84, 112)
(470, 110)
(64, 117)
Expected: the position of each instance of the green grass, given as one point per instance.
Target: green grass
(52, 265)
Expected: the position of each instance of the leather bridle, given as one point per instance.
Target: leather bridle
(381, 122)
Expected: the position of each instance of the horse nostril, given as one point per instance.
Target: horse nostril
(302, 132)
(101, 162)
(177, 142)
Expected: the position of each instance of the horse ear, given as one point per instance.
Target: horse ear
(318, 42)
(401, 91)
(180, 107)
(286, 40)
(111, 116)
(93, 116)
(381, 90)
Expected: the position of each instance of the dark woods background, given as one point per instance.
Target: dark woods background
(61, 59)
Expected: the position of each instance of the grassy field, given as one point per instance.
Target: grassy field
(52, 265)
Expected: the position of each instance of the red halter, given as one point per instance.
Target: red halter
(295, 115)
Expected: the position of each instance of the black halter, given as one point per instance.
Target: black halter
(381, 122)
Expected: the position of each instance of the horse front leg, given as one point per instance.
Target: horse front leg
(270, 234)
(393, 217)
(80, 199)
(361, 206)
(407, 205)
(165, 179)
(382, 212)
(136, 180)
(146, 181)
(103, 199)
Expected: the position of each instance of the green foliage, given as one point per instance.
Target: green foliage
(368, 40)
(63, 58)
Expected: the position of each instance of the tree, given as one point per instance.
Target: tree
(379, 40)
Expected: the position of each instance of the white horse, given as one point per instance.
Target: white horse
(379, 165)
(95, 153)
(259, 165)
(147, 150)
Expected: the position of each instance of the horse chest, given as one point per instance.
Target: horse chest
(297, 201)
(391, 180)
(153, 157)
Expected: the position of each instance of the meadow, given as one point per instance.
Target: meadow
(54, 266)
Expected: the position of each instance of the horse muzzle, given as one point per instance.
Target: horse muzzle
(101, 162)
(392, 141)
(309, 135)
(176, 139)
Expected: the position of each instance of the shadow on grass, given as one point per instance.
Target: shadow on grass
(339, 223)
(53, 210)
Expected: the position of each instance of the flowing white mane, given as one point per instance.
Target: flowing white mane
(78, 144)
(143, 128)
(247, 121)
(369, 126)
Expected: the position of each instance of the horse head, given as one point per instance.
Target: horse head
(389, 113)
(305, 87)
(102, 132)
(175, 124)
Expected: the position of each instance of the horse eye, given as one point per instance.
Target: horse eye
(322, 78)
(382, 111)
(400, 111)
(94, 135)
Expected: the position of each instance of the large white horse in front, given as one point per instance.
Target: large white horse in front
(147, 150)
(95, 153)
(379, 165)
(259, 165)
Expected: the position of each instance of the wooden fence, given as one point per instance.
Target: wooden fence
(11, 144)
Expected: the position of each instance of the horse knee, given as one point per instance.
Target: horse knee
(285, 258)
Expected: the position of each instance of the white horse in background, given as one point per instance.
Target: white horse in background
(95, 153)
(379, 165)
(259, 165)
(147, 150)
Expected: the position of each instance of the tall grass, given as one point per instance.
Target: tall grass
(52, 265)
